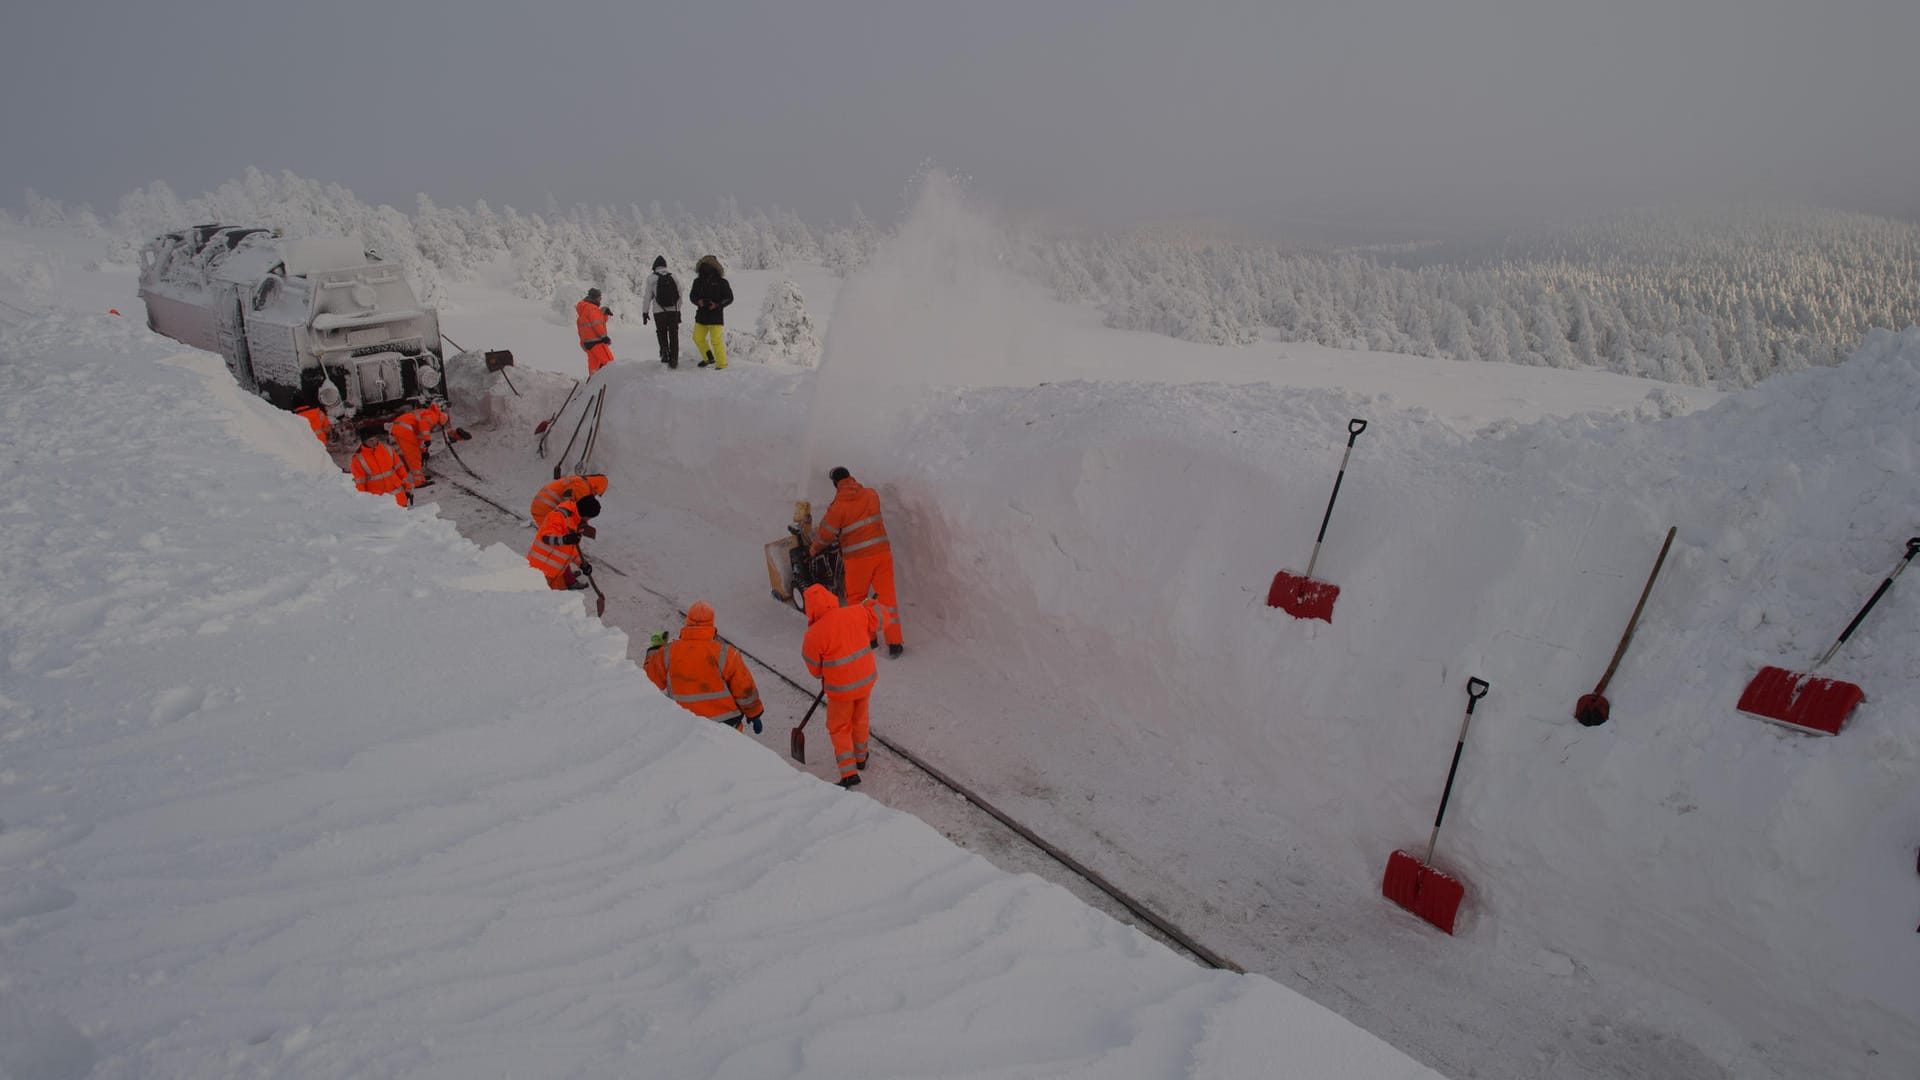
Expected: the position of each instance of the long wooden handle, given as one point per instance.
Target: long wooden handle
(1635, 621)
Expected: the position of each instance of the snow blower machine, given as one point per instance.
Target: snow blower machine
(791, 565)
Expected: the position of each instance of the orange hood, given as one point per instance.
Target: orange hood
(820, 603)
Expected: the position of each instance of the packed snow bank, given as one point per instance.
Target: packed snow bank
(1084, 568)
(299, 783)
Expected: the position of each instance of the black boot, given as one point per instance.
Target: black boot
(861, 765)
(894, 651)
(850, 781)
(708, 362)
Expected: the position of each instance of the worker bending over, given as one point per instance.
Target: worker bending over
(707, 676)
(567, 487)
(556, 545)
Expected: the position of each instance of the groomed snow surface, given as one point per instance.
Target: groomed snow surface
(441, 839)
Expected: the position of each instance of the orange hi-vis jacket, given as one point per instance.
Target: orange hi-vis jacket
(853, 521)
(563, 489)
(377, 470)
(316, 419)
(552, 552)
(705, 675)
(838, 647)
(416, 427)
(591, 321)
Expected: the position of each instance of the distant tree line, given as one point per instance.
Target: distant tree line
(1726, 296)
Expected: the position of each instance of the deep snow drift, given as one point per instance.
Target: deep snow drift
(299, 783)
(1683, 891)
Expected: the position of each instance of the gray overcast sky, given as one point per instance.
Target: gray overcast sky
(1090, 109)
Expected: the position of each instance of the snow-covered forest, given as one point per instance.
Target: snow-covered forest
(1728, 296)
(1720, 297)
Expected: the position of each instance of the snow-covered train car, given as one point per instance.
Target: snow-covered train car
(309, 321)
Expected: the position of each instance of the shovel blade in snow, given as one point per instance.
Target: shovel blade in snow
(1592, 710)
(1302, 597)
(1802, 702)
(1421, 889)
(797, 745)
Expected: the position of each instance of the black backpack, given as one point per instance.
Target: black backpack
(666, 292)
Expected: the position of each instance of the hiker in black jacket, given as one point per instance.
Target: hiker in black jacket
(661, 303)
(710, 295)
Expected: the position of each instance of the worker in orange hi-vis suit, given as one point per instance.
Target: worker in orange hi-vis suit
(590, 319)
(413, 434)
(317, 419)
(853, 522)
(567, 487)
(838, 650)
(377, 470)
(707, 676)
(556, 546)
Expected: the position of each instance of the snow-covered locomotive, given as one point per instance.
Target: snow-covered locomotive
(307, 321)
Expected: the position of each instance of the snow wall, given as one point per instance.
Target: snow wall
(297, 783)
(1106, 549)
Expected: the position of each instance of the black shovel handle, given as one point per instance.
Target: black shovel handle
(1913, 548)
(1476, 689)
(817, 699)
(1354, 427)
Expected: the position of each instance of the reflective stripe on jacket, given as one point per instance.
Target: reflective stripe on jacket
(377, 470)
(551, 554)
(838, 647)
(591, 320)
(563, 489)
(853, 521)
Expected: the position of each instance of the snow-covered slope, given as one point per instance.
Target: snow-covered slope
(1086, 521)
(1684, 891)
(297, 783)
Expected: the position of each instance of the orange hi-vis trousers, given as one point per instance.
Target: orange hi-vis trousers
(847, 727)
(875, 573)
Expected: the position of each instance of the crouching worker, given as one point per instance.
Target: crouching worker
(556, 546)
(377, 470)
(567, 487)
(707, 676)
(413, 434)
(838, 650)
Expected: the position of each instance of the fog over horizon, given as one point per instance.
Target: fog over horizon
(1393, 114)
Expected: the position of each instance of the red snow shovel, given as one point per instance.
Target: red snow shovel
(1592, 709)
(1807, 702)
(1299, 595)
(1413, 883)
(797, 742)
(599, 598)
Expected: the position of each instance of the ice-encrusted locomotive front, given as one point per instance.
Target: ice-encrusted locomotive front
(300, 322)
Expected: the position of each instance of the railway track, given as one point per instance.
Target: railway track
(1145, 915)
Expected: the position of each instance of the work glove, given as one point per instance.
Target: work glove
(589, 532)
(645, 317)
(607, 311)
(570, 538)
(658, 639)
(755, 721)
(586, 568)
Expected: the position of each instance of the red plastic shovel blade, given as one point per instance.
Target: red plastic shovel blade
(1302, 597)
(1801, 702)
(797, 745)
(1421, 889)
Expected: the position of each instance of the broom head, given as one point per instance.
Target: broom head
(1421, 889)
(1302, 597)
(1802, 702)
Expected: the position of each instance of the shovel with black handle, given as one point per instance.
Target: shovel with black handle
(797, 742)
